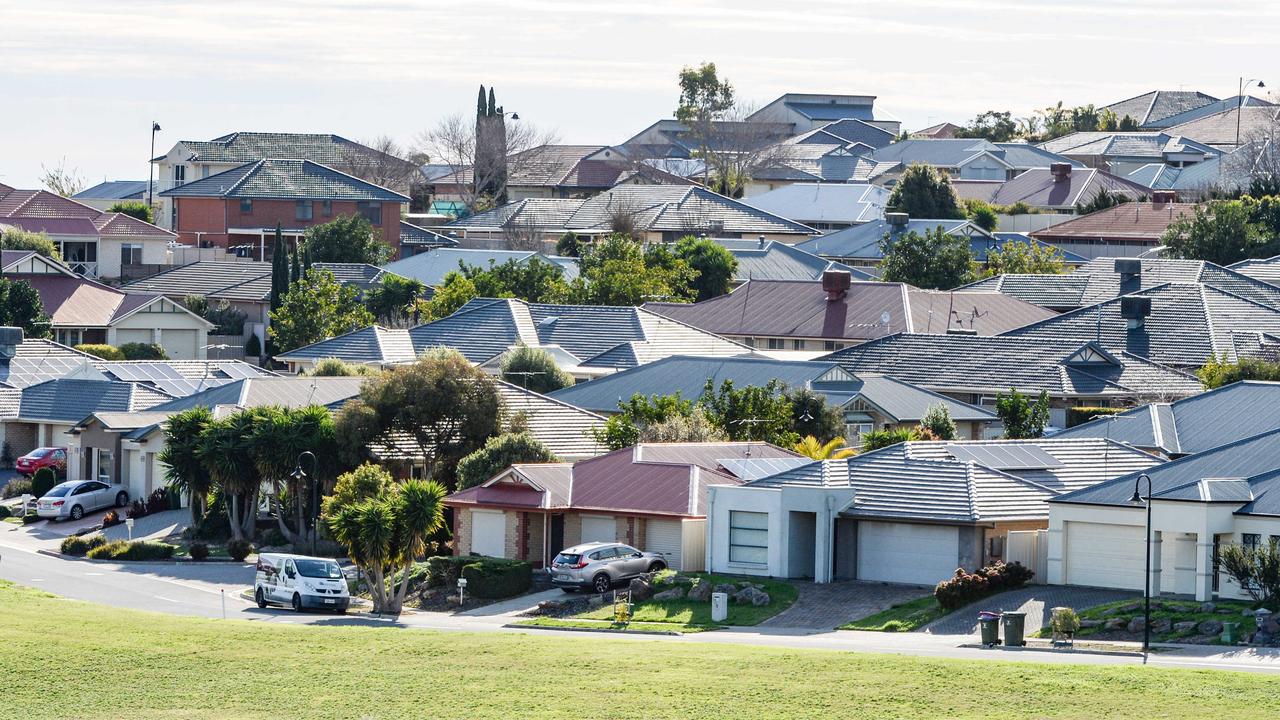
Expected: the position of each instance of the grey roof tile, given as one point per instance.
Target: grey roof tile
(280, 179)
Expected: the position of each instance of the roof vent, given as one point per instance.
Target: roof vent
(1060, 171)
(10, 339)
(1130, 272)
(956, 330)
(1135, 311)
(896, 219)
(1164, 197)
(763, 242)
(836, 283)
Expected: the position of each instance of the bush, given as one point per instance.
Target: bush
(143, 351)
(43, 481)
(79, 546)
(30, 518)
(102, 352)
(198, 551)
(17, 487)
(136, 550)
(1064, 620)
(5, 512)
(1007, 576)
(253, 346)
(965, 587)
(239, 549)
(446, 569)
(492, 578)
(111, 518)
(1080, 415)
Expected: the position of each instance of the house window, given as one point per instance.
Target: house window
(372, 211)
(853, 431)
(130, 254)
(1251, 541)
(179, 175)
(777, 344)
(204, 171)
(302, 210)
(797, 344)
(327, 206)
(749, 537)
(70, 338)
(832, 345)
(246, 206)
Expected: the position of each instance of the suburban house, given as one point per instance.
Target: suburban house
(1151, 110)
(1106, 278)
(846, 133)
(1058, 188)
(431, 267)
(415, 239)
(191, 160)
(773, 260)
(239, 209)
(92, 242)
(910, 513)
(673, 140)
(109, 192)
(1230, 128)
(867, 402)
(1224, 174)
(941, 131)
(86, 311)
(1199, 503)
(959, 158)
(1125, 230)
(1194, 424)
(975, 369)
(1266, 270)
(586, 340)
(651, 496)
(787, 163)
(810, 111)
(1123, 152)
(824, 206)
(835, 312)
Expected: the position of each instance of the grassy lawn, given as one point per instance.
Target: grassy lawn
(184, 550)
(1176, 611)
(903, 617)
(110, 663)
(607, 625)
(689, 613)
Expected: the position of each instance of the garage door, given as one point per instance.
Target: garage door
(132, 335)
(665, 537)
(1101, 555)
(907, 553)
(599, 528)
(488, 532)
(179, 344)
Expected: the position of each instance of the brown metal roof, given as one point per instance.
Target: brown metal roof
(1130, 221)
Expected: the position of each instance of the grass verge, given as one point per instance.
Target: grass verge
(903, 617)
(606, 625)
(1174, 611)
(193, 668)
(690, 613)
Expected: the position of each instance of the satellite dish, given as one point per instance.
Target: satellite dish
(884, 317)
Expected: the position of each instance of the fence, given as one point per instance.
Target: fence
(1031, 548)
(693, 549)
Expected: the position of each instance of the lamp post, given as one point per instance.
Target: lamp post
(300, 475)
(1146, 585)
(1240, 102)
(151, 166)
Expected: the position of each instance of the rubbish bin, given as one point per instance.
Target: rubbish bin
(1013, 625)
(990, 624)
(1231, 633)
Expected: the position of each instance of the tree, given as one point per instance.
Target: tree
(937, 421)
(1029, 257)
(981, 213)
(1022, 419)
(877, 439)
(225, 448)
(695, 427)
(704, 98)
(1103, 200)
(277, 439)
(833, 449)
(618, 271)
(295, 268)
(991, 125)
(1225, 231)
(456, 290)
(333, 367)
(625, 428)
(346, 239)
(62, 180)
(476, 179)
(316, 308)
(534, 369)
(532, 281)
(714, 264)
(1256, 569)
(500, 453)
(935, 260)
(15, 239)
(20, 306)
(1219, 371)
(279, 271)
(811, 414)
(569, 245)
(393, 300)
(441, 406)
(135, 209)
(754, 412)
(383, 162)
(184, 470)
(924, 193)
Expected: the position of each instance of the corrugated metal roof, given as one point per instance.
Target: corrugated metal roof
(432, 266)
(824, 202)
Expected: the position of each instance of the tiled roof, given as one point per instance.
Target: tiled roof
(824, 202)
(422, 237)
(1149, 109)
(1128, 221)
(1154, 145)
(114, 190)
(70, 400)
(288, 391)
(849, 130)
(285, 180)
(39, 360)
(773, 260)
(239, 147)
(1266, 270)
(1037, 187)
(74, 301)
(361, 275)
(43, 211)
(432, 266)
(1214, 108)
(954, 152)
(1220, 129)
(769, 308)
(863, 241)
(239, 281)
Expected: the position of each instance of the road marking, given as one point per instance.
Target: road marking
(161, 597)
(94, 574)
(37, 579)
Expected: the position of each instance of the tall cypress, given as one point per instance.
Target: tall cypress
(295, 271)
(279, 270)
(480, 104)
(493, 106)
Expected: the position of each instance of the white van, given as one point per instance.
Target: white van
(300, 582)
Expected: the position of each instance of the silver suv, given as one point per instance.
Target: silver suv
(598, 565)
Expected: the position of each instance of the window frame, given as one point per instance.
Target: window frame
(127, 253)
(370, 210)
(246, 206)
(303, 210)
(739, 532)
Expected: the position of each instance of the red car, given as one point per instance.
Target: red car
(50, 457)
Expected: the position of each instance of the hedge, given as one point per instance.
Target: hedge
(80, 545)
(965, 587)
(43, 481)
(487, 577)
(103, 352)
(1080, 415)
(136, 550)
(143, 351)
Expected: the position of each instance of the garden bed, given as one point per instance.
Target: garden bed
(1165, 618)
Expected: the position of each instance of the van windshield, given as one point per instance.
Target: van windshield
(327, 569)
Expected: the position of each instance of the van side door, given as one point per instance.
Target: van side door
(275, 585)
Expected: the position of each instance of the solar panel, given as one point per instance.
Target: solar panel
(1005, 457)
(239, 370)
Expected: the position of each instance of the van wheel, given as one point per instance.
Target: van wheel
(122, 499)
(341, 611)
(657, 567)
(259, 598)
(601, 583)
(297, 602)
(77, 512)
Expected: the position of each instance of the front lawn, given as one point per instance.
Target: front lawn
(111, 663)
(690, 613)
(903, 617)
(1174, 611)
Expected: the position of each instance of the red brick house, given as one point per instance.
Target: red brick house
(240, 208)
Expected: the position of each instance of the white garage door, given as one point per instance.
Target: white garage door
(907, 553)
(1101, 555)
(599, 528)
(132, 335)
(179, 344)
(666, 537)
(488, 532)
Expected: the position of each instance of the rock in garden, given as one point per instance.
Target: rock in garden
(1185, 626)
(751, 596)
(1127, 608)
(1208, 607)
(674, 593)
(1209, 627)
(641, 588)
(1114, 624)
(1161, 625)
(1090, 623)
(551, 607)
(699, 591)
(726, 588)
(682, 580)
(1137, 625)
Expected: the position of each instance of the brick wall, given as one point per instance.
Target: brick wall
(511, 538)
(21, 438)
(533, 538)
(209, 218)
(462, 531)
(572, 529)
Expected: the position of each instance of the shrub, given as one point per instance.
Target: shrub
(198, 551)
(239, 549)
(30, 518)
(158, 501)
(6, 455)
(17, 487)
(253, 346)
(1003, 576)
(491, 578)
(102, 352)
(965, 587)
(419, 576)
(143, 351)
(5, 512)
(1080, 415)
(111, 518)
(894, 626)
(136, 550)
(43, 481)
(137, 509)
(79, 545)
(1064, 620)
(445, 569)
(272, 537)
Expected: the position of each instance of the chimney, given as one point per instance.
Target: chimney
(896, 220)
(10, 339)
(1130, 272)
(1164, 197)
(836, 283)
(1060, 171)
(1135, 311)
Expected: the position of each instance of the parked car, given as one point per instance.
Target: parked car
(50, 457)
(598, 565)
(300, 582)
(74, 498)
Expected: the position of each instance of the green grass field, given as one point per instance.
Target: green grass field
(688, 613)
(903, 617)
(67, 659)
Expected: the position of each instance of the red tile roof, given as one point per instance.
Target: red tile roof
(43, 211)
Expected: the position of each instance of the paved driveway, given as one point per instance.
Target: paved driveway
(828, 606)
(1037, 601)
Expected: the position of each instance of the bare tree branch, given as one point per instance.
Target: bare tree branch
(61, 179)
(452, 143)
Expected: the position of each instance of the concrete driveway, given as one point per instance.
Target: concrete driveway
(825, 607)
(1037, 601)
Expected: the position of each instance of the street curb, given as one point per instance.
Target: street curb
(166, 561)
(611, 631)
(1059, 650)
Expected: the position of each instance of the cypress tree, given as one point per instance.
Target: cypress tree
(480, 104)
(295, 270)
(279, 270)
(306, 259)
(493, 107)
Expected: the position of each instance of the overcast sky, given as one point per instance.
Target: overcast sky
(83, 79)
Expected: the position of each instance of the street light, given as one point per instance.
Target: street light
(1146, 586)
(151, 166)
(300, 476)
(1240, 102)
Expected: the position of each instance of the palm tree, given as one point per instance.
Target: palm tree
(186, 473)
(833, 449)
(419, 507)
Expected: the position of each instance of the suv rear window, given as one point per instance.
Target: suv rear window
(566, 559)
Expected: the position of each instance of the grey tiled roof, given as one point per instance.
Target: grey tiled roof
(432, 266)
(415, 235)
(291, 392)
(363, 276)
(39, 360)
(280, 179)
(773, 260)
(246, 281)
(863, 241)
(1148, 109)
(323, 148)
(1220, 129)
(1266, 270)
(952, 152)
(1038, 187)
(849, 130)
(68, 400)
(1152, 145)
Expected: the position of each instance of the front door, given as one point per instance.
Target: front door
(557, 535)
